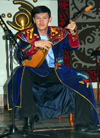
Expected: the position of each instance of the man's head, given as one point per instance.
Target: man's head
(41, 17)
(41, 9)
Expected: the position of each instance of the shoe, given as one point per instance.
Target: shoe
(87, 127)
(29, 121)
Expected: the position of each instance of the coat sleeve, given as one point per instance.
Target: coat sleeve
(71, 41)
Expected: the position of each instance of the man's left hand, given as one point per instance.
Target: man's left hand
(71, 26)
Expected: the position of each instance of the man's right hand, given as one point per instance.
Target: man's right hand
(46, 44)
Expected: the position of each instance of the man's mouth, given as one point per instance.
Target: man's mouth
(41, 25)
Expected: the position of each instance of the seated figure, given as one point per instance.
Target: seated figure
(51, 88)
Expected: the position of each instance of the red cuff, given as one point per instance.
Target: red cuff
(73, 40)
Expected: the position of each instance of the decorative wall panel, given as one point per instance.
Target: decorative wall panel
(88, 26)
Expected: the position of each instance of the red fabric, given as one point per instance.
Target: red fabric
(66, 57)
(63, 19)
(73, 40)
(63, 12)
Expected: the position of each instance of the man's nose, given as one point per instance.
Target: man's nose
(41, 20)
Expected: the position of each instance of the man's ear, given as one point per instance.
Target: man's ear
(50, 19)
(33, 19)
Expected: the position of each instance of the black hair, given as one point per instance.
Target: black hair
(40, 9)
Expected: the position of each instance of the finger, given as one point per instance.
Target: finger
(50, 42)
(47, 42)
(46, 47)
(70, 21)
(67, 27)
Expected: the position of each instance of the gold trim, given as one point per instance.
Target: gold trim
(72, 97)
(40, 75)
(21, 88)
(75, 46)
(7, 98)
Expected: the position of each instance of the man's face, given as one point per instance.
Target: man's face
(41, 20)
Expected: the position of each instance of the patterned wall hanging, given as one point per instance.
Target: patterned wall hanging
(63, 20)
(88, 26)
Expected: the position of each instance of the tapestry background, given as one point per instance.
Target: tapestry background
(88, 26)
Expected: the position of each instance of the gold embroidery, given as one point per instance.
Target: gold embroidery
(73, 38)
(32, 51)
(53, 34)
(30, 31)
(74, 33)
(82, 82)
(35, 34)
(56, 67)
(36, 48)
(53, 30)
(88, 83)
(56, 59)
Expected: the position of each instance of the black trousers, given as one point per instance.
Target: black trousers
(82, 107)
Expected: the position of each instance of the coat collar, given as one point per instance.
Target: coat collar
(31, 34)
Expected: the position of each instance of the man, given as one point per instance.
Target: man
(27, 78)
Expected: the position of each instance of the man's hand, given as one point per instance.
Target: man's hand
(46, 44)
(71, 26)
